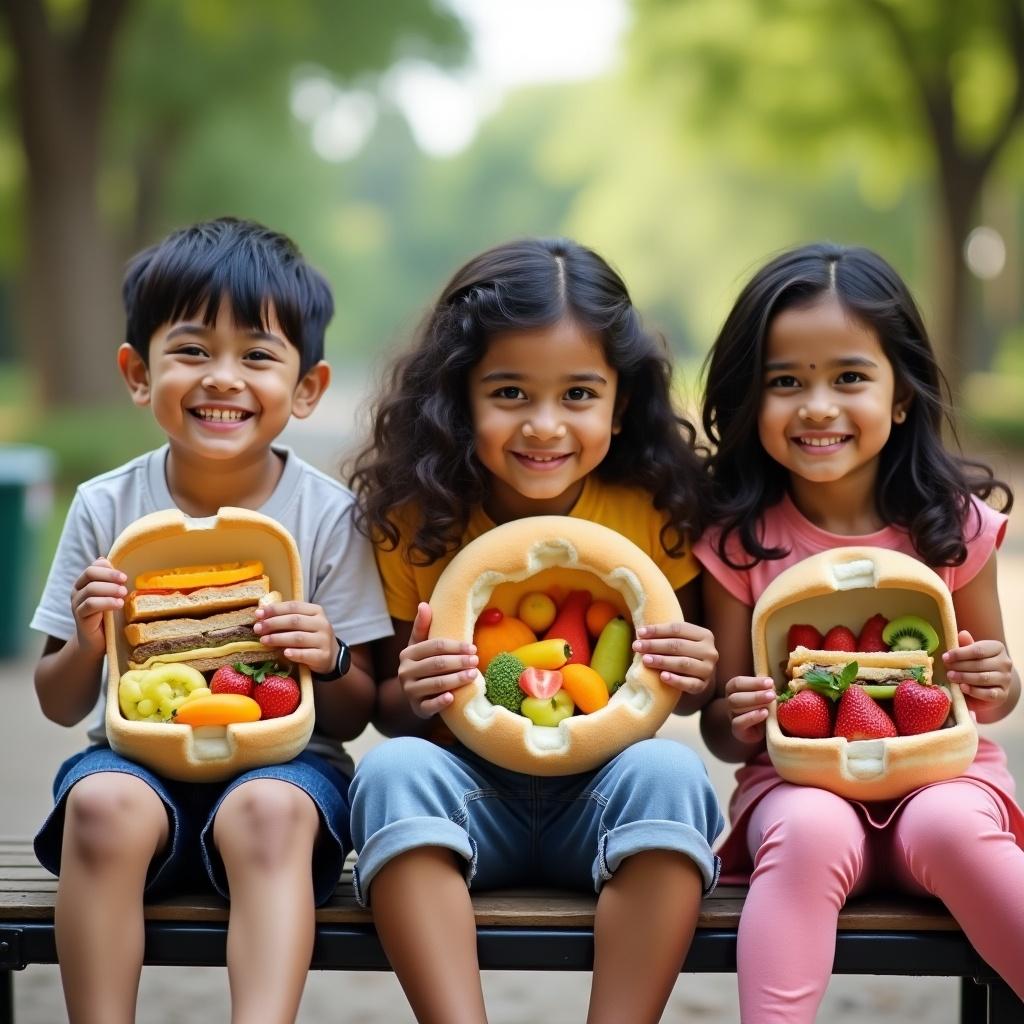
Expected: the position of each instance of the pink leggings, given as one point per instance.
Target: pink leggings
(813, 849)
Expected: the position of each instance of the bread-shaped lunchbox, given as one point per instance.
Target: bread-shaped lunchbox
(173, 554)
(576, 561)
(855, 590)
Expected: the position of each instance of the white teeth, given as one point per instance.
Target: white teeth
(821, 442)
(542, 458)
(220, 415)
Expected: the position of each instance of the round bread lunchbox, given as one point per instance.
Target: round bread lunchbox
(847, 586)
(562, 554)
(204, 753)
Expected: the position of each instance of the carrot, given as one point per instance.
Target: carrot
(218, 709)
(585, 686)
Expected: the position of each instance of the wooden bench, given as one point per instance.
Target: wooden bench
(518, 930)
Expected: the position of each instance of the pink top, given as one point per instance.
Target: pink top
(783, 525)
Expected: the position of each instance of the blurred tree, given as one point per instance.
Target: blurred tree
(163, 68)
(935, 86)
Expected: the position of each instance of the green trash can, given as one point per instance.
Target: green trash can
(26, 500)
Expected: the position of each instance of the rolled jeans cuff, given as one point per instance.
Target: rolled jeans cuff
(640, 836)
(402, 836)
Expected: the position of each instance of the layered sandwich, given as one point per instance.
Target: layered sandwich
(202, 615)
(874, 668)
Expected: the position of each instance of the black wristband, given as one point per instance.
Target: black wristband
(341, 665)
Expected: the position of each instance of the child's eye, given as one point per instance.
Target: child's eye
(190, 350)
(850, 377)
(579, 394)
(784, 381)
(509, 391)
(259, 355)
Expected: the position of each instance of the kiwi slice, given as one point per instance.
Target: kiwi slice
(910, 633)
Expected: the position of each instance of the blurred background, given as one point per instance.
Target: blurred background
(684, 139)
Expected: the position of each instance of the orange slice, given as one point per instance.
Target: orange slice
(192, 576)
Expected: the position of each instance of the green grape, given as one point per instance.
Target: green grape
(130, 691)
(146, 707)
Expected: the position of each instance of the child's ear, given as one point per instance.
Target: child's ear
(310, 389)
(621, 402)
(900, 406)
(135, 372)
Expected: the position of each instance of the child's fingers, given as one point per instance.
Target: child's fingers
(429, 708)
(442, 665)
(687, 684)
(988, 694)
(688, 631)
(101, 571)
(751, 684)
(439, 647)
(96, 605)
(749, 727)
(420, 624)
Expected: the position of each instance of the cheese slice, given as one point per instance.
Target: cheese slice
(201, 653)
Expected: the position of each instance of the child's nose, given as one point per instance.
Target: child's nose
(222, 376)
(818, 406)
(544, 424)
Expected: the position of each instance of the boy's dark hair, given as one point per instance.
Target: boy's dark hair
(422, 452)
(921, 486)
(193, 269)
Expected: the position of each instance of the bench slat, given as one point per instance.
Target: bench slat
(27, 892)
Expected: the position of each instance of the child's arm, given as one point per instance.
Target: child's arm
(983, 668)
(733, 723)
(68, 675)
(302, 632)
(683, 653)
(417, 678)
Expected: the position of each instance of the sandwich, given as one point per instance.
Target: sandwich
(874, 668)
(202, 615)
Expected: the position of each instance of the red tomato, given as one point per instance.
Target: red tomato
(541, 682)
(490, 617)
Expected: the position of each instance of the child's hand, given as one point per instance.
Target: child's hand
(99, 589)
(683, 655)
(748, 699)
(430, 669)
(982, 668)
(301, 630)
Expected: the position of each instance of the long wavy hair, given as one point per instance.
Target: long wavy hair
(921, 486)
(422, 451)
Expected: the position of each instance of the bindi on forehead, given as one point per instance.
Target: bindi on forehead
(813, 367)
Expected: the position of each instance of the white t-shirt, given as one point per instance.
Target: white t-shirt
(337, 561)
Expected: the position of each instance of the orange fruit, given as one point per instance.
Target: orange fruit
(599, 614)
(506, 635)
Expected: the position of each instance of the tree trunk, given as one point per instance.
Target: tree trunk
(70, 324)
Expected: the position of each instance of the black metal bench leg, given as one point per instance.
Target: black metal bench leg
(6, 997)
(973, 1001)
(1003, 1005)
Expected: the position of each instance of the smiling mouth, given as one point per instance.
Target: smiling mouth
(830, 441)
(209, 415)
(542, 461)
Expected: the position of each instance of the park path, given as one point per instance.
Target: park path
(33, 747)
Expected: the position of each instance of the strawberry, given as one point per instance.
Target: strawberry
(919, 708)
(839, 638)
(861, 718)
(803, 636)
(806, 714)
(277, 695)
(870, 638)
(233, 679)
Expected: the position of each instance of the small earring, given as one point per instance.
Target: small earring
(899, 415)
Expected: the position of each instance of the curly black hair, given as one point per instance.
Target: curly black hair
(422, 451)
(921, 486)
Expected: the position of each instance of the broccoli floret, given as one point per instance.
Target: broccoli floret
(501, 682)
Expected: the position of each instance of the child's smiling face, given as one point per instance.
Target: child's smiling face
(544, 411)
(221, 392)
(829, 396)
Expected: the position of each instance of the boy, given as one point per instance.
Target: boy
(225, 328)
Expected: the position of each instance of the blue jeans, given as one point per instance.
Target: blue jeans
(189, 859)
(511, 829)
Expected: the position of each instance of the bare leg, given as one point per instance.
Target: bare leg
(646, 915)
(265, 831)
(425, 921)
(114, 824)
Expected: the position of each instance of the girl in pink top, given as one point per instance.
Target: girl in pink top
(825, 403)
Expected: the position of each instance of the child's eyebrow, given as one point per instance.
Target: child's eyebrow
(773, 367)
(204, 331)
(574, 378)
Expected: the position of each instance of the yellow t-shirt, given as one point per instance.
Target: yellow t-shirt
(627, 510)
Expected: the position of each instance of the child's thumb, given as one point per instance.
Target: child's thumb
(964, 639)
(421, 624)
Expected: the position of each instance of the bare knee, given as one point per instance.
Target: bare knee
(265, 822)
(111, 816)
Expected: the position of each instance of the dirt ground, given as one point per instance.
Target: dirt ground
(32, 748)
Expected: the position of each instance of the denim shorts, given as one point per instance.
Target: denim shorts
(511, 829)
(190, 859)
